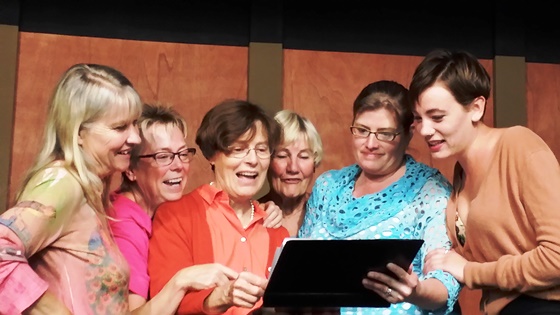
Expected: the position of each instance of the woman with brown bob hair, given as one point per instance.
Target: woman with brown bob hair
(220, 222)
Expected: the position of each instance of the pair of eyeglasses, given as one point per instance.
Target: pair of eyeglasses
(166, 158)
(263, 152)
(362, 132)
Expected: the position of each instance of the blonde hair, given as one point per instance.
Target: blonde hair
(84, 94)
(295, 126)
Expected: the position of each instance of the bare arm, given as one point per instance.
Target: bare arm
(274, 216)
(47, 304)
(245, 292)
(197, 277)
(135, 301)
(429, 294)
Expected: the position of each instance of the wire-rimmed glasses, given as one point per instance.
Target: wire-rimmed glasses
(239, 152)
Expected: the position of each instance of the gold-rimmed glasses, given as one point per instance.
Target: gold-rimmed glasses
(362, 132)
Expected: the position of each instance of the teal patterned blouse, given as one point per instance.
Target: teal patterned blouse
(411, 208)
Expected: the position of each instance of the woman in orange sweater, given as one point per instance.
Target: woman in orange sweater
(503, 214)
(220, 222)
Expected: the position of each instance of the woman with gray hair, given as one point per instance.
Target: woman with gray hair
(293, 166)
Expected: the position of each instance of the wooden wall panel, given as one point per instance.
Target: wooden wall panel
(323, 85)
(193, 78)
(543, 102)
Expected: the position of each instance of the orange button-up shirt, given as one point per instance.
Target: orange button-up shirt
(202, 228)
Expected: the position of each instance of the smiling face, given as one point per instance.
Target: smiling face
(292, 168)
(445, 124)
(242, 178)
(377, 157)
(109, 140)
(159, 183)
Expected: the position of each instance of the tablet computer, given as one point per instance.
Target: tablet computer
(309, 273)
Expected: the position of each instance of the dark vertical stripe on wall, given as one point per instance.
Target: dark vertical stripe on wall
(265, 76)
(8, 66)
(265, 55)
(510, 104)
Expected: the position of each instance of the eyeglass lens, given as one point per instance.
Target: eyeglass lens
(240, 152)
(166, 158)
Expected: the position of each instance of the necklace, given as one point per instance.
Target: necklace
(252, 213)
(252, 210)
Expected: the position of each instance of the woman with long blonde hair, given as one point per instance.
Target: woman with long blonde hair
(57, 254)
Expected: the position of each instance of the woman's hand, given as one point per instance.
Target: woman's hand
(200, 277)
(274, 216)
(449, 261)
(245, 291)
(394, 290)
(429, 294)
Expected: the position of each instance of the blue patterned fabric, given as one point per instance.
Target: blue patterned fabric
(411, 208)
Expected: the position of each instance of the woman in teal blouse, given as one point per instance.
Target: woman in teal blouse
(386, 194)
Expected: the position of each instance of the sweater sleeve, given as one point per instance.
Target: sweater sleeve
(171, 249)
(538, 177)
(432, 202)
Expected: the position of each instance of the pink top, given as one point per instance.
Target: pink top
(132, 229)
(68, 246)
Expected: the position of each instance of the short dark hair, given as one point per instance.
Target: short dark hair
(460, 71)
(387, 94)
(226, 122)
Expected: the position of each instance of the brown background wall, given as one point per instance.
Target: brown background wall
(323, 85)
(543, 102)
(190, 77)
(319, 60)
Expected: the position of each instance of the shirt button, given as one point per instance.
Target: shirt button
(269, 269)
(243, 240)
(244, 268)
